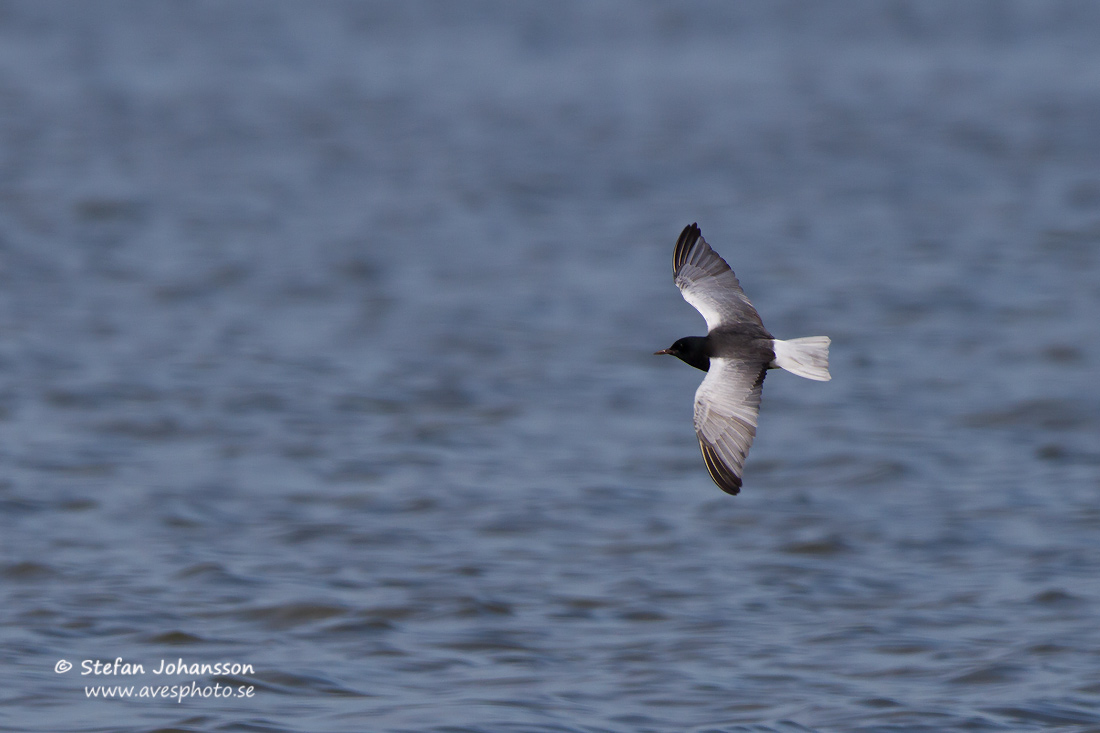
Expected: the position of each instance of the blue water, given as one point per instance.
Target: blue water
(325, 347)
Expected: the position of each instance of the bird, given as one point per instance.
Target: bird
(736, 353)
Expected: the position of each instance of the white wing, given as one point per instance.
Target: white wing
(708, 283)
(726, 406)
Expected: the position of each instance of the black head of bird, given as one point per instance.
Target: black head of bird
(690, 350)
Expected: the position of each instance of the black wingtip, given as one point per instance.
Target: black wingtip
(687, 240)
(723, 477)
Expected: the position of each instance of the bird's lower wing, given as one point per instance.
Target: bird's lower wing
(726, 406)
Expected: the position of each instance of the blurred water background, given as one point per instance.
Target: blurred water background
(325, 346)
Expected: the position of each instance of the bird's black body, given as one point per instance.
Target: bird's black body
(744, 340)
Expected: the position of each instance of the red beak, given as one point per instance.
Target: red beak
(662, 351)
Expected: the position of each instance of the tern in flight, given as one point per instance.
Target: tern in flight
(736, 353)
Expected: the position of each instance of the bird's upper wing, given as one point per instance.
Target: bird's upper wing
(708, 283)
(726, 406)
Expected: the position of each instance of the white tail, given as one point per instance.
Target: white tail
(808, 357)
